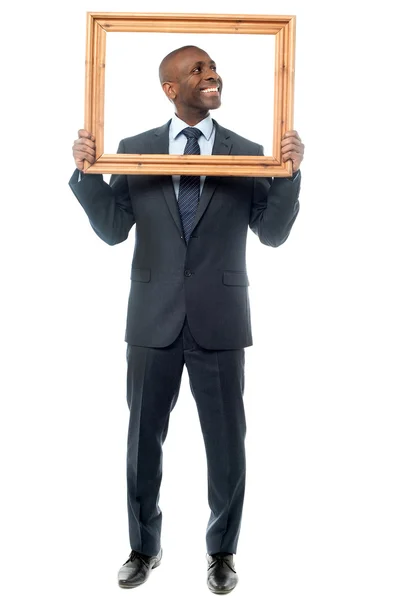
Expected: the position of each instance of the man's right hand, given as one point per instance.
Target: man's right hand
(84, 148)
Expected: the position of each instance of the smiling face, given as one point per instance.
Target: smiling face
(190, 81)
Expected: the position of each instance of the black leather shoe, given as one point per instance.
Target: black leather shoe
(136, 570)
(222, 578)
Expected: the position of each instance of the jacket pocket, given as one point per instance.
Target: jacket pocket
(143, 275)
(235, 278)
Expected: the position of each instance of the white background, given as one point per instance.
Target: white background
(321, 516)
(132, 85)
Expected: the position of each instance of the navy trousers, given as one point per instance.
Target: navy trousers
(217, 384)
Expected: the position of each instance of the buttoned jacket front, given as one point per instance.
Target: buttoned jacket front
(205, 279)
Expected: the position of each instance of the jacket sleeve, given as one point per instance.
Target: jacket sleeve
(275, 206)
(108, 206)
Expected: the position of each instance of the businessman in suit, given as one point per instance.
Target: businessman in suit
(188, 302)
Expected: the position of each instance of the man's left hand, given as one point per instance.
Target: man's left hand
(292, 148)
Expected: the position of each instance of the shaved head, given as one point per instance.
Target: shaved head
(167, 68)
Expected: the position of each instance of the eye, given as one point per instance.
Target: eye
(197, 70)
(213, 67)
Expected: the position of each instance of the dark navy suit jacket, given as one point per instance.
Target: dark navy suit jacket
(205, 279)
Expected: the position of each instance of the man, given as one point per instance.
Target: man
(188, 302)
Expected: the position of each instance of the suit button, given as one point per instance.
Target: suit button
(187, 273)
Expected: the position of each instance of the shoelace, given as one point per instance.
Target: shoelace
(134, 555)
(220, 560)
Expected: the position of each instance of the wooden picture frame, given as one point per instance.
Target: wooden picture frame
(99, 25)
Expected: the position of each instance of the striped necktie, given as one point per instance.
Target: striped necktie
(189, 189)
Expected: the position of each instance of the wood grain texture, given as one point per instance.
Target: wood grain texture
(99, 25)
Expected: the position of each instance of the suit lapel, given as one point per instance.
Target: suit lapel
(222, 145)
(160, 145)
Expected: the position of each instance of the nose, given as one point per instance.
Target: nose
(211, 74)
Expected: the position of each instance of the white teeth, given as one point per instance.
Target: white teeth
(210, 90)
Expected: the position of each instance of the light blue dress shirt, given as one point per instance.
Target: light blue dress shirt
(177, 142)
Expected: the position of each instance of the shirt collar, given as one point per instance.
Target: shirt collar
(177, 126)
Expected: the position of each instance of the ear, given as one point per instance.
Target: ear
(170, 91)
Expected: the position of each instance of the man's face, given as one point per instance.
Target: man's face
(196, 83)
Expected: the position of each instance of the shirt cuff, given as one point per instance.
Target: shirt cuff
(294, 176)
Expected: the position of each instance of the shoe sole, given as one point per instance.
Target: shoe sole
(125, 586)
(222, 591)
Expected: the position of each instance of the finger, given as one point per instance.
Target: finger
(291, 140)
(84, 142)
(291, 155)
(84, 156)
(84, 149)
(79, 165)
(292, 133)
(291, 145)
(83, 152)
(83, 133)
